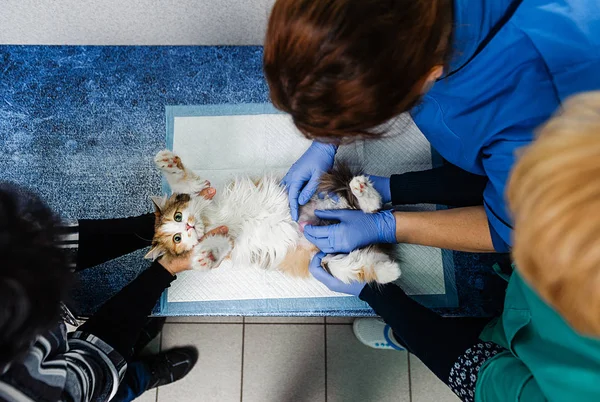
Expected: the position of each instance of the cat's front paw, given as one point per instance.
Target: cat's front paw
(368, 198)
(210, 252)
(169, 163)
(180, 179)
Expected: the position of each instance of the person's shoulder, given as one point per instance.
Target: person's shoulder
(565, 32)
(41, 372)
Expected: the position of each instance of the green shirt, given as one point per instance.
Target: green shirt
(546, 358)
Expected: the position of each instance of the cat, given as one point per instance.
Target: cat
(261, 229)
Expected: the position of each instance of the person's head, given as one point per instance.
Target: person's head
(554, 195)
(341, 68)
(34, 276)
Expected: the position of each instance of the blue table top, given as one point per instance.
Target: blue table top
(79, 125)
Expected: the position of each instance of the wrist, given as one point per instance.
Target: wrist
(382, 185)
(164, 263)
(387, 226)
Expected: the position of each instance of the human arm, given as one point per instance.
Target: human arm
(444, 185)
(462, 229)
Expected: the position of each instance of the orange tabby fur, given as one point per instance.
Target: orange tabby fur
(297, 260)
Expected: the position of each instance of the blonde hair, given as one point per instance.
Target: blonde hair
(554, 195)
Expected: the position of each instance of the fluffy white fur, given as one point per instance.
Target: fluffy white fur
(363, 263)
(261, 229)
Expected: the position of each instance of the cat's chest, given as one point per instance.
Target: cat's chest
(248, 205)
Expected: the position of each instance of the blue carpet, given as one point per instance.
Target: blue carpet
(79, 125)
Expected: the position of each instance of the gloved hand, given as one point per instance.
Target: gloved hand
(355, 230)
(332, 282)
(382, 185)
(302, 179)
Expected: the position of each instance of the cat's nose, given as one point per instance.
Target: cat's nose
(188, 226)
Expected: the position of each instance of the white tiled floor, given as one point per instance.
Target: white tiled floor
(290, 360)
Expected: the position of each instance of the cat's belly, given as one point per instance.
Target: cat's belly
(258, 217)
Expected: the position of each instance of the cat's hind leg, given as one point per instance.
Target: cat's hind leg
(211, 251)
(180, 179)
(368, 198)
(364, 265)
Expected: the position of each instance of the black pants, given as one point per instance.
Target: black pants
(438, 341)
(120, 320)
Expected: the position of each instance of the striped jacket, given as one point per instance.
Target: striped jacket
(60, 367)
(77, 367)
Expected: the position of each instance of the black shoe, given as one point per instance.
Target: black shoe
(170, 366)
(150, 331)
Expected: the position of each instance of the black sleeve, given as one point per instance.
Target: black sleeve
(446, 185)
(119, 321)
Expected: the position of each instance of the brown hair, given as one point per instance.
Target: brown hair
(554, 194)
(344, 67)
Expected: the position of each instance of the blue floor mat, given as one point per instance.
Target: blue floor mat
(79, 125)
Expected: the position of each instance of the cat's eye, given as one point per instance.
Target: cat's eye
(177, 238)
(178, 217)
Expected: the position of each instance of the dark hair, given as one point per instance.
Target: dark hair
(34, 275)
(344, 67)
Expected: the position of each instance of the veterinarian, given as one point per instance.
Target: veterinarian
(476, 77)
(100, 361)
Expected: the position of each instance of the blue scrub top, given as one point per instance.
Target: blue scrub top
(495, 96)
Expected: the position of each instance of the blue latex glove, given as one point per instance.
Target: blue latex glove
(355, 230)
(303, 177)
(382, 185)
(332, 282)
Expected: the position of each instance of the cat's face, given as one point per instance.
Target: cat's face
(179, 224)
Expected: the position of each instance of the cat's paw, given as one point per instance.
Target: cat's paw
(179, 178)
(169, 163)
(210, 252)
(368, 198)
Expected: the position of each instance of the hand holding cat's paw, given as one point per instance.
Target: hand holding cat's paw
(175, 265)
(210, 252)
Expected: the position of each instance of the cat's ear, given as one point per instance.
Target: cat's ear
(154, 253)
(159, 204)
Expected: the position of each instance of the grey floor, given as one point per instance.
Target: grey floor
(290, 359)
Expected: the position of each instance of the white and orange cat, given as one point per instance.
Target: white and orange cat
(261, 229)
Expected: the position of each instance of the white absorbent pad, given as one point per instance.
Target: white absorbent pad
(222, 142)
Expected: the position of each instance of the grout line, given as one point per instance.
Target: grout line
(339, 323)
(242, 374)
(160, 346)
(325, 353)
(409, 378)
